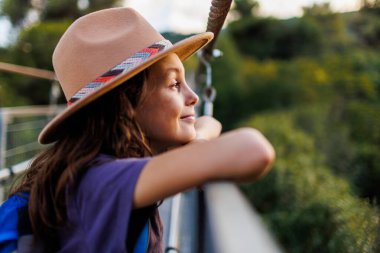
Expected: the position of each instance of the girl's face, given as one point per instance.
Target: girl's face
(166, 114)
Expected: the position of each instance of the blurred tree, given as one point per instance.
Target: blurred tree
(366, 172)
(34, 48)
(231, 96)
(300, 37)
(246, 8)
(335, 37)
(372, 6)
(8, 97)
(354, 75)
(272, 84)
(301, 198)
(366, 24)
(58, 9)
(364, 121)
(255, 36)
(323, 9)
(15, 10)
(19, 11)
(272, 38)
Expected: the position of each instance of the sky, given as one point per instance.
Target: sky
(188, 16)
(182, 16)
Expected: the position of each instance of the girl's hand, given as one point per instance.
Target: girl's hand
(207, 128)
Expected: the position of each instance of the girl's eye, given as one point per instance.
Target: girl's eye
(175, 84)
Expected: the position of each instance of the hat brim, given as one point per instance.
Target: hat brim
(184, 49)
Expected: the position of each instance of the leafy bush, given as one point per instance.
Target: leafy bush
(306, 205)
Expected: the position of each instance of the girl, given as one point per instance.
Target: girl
(128, 139)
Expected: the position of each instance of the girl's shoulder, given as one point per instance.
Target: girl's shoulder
(108, 170)
(105, 162)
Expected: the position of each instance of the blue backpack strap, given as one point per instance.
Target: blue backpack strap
(142, 242)
(9, 219)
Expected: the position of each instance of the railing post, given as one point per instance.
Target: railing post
(3, 132)
(180, 218)
(174, 233)
(3, 137)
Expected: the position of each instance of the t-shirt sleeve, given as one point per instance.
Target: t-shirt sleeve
(104, 202)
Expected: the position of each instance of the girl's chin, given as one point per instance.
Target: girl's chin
(185, 140)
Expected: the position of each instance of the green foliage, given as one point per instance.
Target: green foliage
(331, 137)
(58, 9)
(246, 8)
(348, 139)
(323, 9)
(271, 38)
(16, 10)
(102, 4)
(364, 121)
(255, 36)
(32, 49)
(354, 75)
(367, 29)
(229, 84)
(319, 31)
(8, 97)
(371, 6)
(309, 208)
(366, 175)
(272, 84)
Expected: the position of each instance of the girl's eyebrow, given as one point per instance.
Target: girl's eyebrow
(173, 69)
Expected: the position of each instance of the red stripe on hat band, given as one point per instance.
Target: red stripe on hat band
(102, 79)
(151, 50)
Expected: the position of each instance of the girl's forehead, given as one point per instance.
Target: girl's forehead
(169, 63)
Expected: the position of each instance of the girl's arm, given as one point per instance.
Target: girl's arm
(239, 155)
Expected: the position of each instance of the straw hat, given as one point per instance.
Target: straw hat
(100, 51)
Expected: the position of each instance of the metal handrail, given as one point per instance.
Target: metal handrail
(30, 110)
(173, 244)
(21, 148)
(7, 115)
(6, 173)
(28, 71)
(234, 225)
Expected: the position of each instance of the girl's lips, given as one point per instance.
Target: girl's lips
(190, 118)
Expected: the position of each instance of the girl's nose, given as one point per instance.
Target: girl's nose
(191, 98)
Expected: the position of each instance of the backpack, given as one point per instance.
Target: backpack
(11, 212)
(16, 233)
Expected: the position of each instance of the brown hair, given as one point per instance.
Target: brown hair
(105, 126)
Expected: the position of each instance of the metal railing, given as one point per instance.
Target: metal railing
(6, 176)
(232, 225)
(229, 224)
(19, 128)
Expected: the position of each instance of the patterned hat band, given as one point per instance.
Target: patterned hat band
(121, 68)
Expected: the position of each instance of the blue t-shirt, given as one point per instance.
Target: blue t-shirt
(99, 210)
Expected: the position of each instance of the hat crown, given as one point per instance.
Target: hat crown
(95, 43)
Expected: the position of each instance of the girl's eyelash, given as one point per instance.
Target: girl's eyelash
(175, 84)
